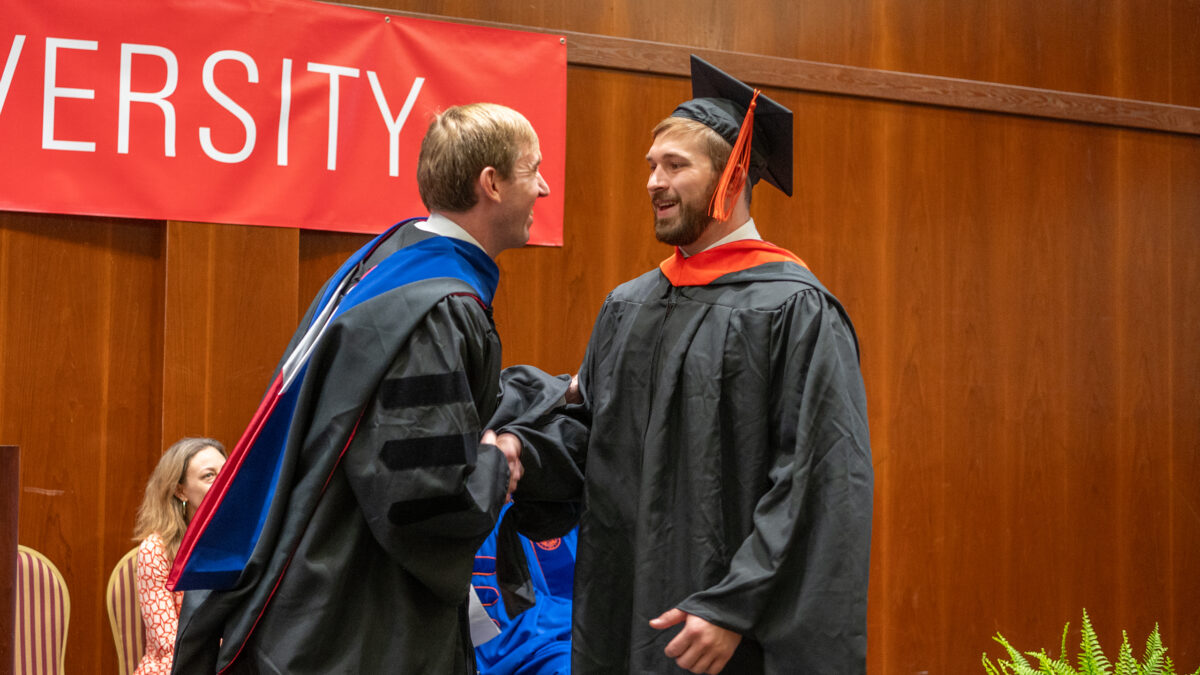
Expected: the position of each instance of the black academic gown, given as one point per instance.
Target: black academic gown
(385, 493)
(728, 473)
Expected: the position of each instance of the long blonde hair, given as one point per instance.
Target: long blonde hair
(161, 512)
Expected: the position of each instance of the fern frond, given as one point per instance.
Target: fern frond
(1152, 665)
(1126, 664)
(1015, 657)
(1016, 665)
(1021, 667)
(1091, 658)
(1051, 666)
(1152, 658)
(1154, 641)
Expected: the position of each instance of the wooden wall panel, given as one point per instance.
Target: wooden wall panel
(10, 492)
(230, 312)
(1140, 395)
(133, 409)
(1050, 45)
(1032, 353)
(321, 254)
(79, 355)
(1183, 364)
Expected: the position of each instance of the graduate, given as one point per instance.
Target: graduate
(726, 472)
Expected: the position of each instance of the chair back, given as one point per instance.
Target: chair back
(125, 614)
(43, 614)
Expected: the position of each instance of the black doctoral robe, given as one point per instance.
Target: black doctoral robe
(728, 473)
(384, 491)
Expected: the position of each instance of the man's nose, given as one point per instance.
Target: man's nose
(655, 182)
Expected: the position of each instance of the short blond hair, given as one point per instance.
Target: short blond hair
(463, 141)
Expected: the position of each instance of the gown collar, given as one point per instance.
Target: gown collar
(712, 263)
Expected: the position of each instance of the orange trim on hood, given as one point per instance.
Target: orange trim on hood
(707, 266)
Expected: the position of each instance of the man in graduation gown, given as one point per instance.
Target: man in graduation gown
(364, 487)
(727, 474)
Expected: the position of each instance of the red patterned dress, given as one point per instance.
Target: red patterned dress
(160, 607)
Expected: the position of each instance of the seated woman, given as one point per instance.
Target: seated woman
(173, 493)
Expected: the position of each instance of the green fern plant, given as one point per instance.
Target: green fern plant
(1091, 658)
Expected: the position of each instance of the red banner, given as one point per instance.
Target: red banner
(260, 112)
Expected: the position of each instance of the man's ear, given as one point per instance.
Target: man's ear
(741, 176)
(489, 186)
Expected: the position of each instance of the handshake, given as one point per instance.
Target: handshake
(510, 444)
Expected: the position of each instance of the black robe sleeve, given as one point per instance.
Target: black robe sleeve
(554, 435)
(429, 490)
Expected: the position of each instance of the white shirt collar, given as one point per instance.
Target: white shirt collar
(746, 230)
(443, 226)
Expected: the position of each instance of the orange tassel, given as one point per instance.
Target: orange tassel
(732, 180)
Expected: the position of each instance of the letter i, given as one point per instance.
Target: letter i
(285, 111)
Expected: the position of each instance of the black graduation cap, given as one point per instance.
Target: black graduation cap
(720, 103)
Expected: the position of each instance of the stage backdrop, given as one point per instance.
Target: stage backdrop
(264, 112)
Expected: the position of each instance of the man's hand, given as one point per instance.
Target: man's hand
(510, 445)
(573, 395)
(701, 647)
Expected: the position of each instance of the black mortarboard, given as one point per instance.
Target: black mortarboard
(720, 102)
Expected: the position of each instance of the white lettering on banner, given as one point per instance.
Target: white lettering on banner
(14, 54)
(285, 111)
(163, 99)
(394, 125)
(227, 103)
(158, 98)
(52, 91)
(333, 72)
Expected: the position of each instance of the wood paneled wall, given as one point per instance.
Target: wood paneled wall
(10, 469)
(1024, 290)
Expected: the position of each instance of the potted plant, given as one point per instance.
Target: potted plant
(1091, 659)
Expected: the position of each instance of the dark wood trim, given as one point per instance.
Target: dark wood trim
(641, 56)
(10, 492)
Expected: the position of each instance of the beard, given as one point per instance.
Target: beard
(688, 224)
